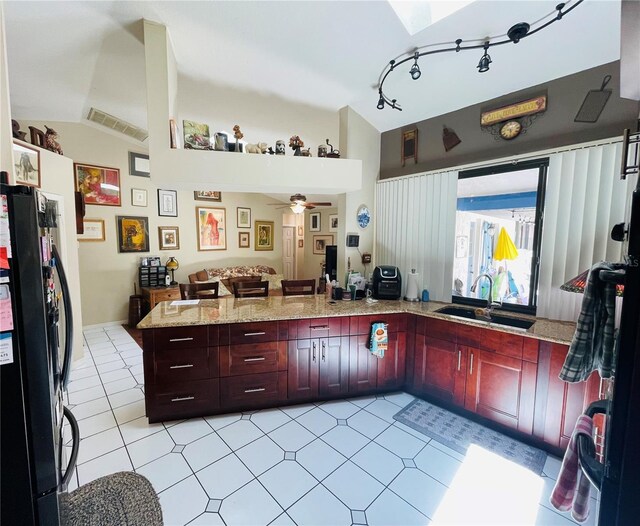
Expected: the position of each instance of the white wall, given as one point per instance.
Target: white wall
(107, 276)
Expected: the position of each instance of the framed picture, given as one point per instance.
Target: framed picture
(244, 240)
(320, 243)
(212, 228)
(314, 222)
(139, 164)
(133, 234)
(169, 237)
(196, 135)
(168, 203)
(462, 246)
(99, 185)
(138, 197)
(409, 146)
(93, 230)
(264, 235)
(300, 243)
(27, 165)
(333, 222)
(243, 217)
(300, 231)
(200, 195)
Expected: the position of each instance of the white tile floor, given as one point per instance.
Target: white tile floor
(344, 462)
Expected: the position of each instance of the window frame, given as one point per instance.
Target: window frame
(543, 167)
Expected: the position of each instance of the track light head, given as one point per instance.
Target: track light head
(380, 103)
(415, 69)
(485, 60)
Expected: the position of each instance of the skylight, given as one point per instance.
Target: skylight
(417, 15)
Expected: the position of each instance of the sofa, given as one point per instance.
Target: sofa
(227, 275)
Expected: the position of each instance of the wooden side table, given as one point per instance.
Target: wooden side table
(154, 295)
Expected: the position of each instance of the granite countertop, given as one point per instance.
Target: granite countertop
(273, 308)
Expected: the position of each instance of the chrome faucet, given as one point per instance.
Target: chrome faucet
(490, 304)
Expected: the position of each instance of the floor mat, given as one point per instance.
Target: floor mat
(459, 433)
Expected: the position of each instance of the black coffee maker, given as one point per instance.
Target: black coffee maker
(387, 283)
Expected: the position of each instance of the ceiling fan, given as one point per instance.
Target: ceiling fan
(299, 204)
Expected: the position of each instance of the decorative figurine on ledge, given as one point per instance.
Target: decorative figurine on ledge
(238, 135)
(15, 129)
(261, 147)
(50, 142)
(322, 151)
(306, 153)
(296, 143)
(280, 147)
(333, 154)
(221, 142)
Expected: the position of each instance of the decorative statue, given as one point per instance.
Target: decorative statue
(261, 147)
(322, 151)
(280, 147)
(306, 153)
(238, 135)
(50, 142)
(271, 151)
(17, 134)
(333, 154)
(296, 143)
(221, 142)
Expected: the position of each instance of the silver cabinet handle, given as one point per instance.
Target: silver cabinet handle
(183, 398)
(256, 359)
(185, 366)
(459, 355)
(254, 333)
(314, 351)
(323, 349)
(320, 328)
(181, 339)
(256, 390)
(471, 368)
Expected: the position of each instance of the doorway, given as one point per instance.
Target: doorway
(289, 252)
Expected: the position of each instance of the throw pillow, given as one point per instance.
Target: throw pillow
(275, 280)
(222, 290)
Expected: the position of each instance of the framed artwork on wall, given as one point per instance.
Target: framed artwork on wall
(205, 195)
(27, 165)
(99, 185)
(169, 237)
(314, 222)
(409, 146)
(93, 230)
(196, 135)
(300, 243)
(139, 164)
(212, 228)
(320, 243)
(264, 235)
(333, 222)
(133, 234)
(243, 217)
(244, 240)
(168, 203)
(138, 197)
(300, 231)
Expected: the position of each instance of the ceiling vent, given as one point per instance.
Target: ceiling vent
(117, 124)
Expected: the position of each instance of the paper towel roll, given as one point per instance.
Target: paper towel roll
(412, 286)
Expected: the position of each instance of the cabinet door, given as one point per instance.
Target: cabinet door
(334, 366)
(441, 369)
(363, 366)
(391, 368)
(501, 388)
(302, 376)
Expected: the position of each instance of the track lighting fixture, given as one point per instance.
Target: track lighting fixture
(515, 33)
(485, 60)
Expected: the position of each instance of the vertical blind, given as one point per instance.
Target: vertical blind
(415, 225)
(585, 197)
(415, 228)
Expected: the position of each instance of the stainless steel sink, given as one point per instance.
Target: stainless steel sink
(496, 319)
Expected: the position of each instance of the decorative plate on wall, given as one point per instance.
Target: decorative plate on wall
(363, 216)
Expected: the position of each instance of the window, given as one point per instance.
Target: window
(498, 232)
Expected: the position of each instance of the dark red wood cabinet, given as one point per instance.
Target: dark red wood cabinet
(363, 366)
(440, 369)
(392, 368)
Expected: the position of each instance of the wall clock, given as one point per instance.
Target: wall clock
(363, 216)
(510, 130)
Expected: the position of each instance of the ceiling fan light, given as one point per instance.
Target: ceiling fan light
(297, 208)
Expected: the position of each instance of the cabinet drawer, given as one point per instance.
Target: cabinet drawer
(166, 295)
(253, 358)
(362, 324)
(182, 399)
(182, 365)
(241, 333)
(181, 337)
(253, 390)
(318, 328)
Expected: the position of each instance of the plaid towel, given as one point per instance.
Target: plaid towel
(379, 339)
(572, 488)
(592, 346)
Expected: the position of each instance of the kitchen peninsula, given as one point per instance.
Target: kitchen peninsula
(241, 354)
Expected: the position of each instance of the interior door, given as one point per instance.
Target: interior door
(289, 252)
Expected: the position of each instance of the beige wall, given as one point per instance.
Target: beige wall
(311, 266)
(107, 276)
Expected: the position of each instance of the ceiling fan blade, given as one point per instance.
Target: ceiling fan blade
(320, 204)
(309, 206)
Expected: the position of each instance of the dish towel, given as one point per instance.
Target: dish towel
(572, 489)
(379, 339)
(592, 346)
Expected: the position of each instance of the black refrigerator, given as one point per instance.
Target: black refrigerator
(35, 357)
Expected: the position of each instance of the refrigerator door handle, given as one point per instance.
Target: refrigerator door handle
(68, 320)
(75, 434)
